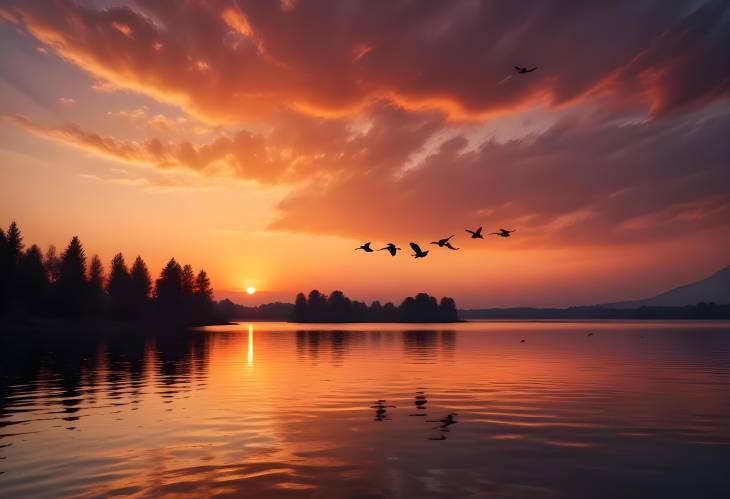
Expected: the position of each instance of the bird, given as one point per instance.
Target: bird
(392, 249)
(502, 233)
(522, 70)
(522, 341)
(476, 234)
(590, 334)
(419, 253)
(365, 247)
(444, 243)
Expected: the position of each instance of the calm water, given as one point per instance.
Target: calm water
(275, 410)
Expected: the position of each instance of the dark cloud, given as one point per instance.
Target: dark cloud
(233, 61)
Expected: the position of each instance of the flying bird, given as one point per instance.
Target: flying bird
(392, 249)
(476, 234)
(444, 243)
(522, 70)
(502, 233)
(418, 252)
(365, 247)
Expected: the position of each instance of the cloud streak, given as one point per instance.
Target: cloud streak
(234, 61)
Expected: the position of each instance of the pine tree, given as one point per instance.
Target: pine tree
(141, 286)
(168, 288)
(96, 285)
(118, 287)
(33, 280)
(14, 243)
(72, 278)
(203, 296)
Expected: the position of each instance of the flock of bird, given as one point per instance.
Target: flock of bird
(445, 242)
(441, 243)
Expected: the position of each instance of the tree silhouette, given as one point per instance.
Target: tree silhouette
(12, 252)
(96, 285)
(33, 280)
(301, 309)
(338, 308)
(203, 296)
(119, 287)
(140, 286)
(168, 288)
(72, 278)
(447, 310)
(60, 286)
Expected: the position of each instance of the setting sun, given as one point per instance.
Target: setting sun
(250, 290)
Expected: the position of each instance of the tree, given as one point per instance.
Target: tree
(168, 288)
(187, 280)
(14, 243)
(375, 312)
(33, 280)
(301, 310)
(96, 285)
(72, 278)
(447, 310)
(141, 286)
(12, 253)
(119, 287)
(202, 289)
(317, 305)
(339, 308)
(203, 296)
(52, 264)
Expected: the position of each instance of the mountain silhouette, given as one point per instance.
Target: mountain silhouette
(715, 288)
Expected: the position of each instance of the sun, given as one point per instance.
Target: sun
(250, 290)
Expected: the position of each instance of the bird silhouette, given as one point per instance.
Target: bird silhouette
(476, 234)
(444, 243)
(391, 248)
(365, 247)
(522, 70)
(522, 341)
(502, 233)
(418, 252)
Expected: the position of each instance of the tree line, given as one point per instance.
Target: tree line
(318, 307)
(66, 285)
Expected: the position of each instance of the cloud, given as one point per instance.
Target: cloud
(577, 183)
(67, 101)
(234, 61)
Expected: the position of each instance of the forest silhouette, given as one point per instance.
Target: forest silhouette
(66, 285)
(318, 307)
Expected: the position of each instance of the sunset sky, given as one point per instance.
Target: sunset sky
(264, 141)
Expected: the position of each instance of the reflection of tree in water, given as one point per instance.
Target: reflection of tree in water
(426, 344)
(72, 371)
(337, 343)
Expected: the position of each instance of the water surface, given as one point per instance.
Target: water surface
(636, 409)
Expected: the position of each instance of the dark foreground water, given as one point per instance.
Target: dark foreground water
(635, 410)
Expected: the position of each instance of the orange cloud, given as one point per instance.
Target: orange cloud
(451, 57)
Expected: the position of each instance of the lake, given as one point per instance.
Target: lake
(578, 410)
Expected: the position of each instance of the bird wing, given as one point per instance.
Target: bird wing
(416, 247)
(517, 68)
(469, 231)
(479, 229)
(448, 245)
(392, 250)
(533, 69)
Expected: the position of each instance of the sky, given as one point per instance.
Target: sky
(264, 141)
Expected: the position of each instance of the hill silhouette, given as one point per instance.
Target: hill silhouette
(715, 288)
